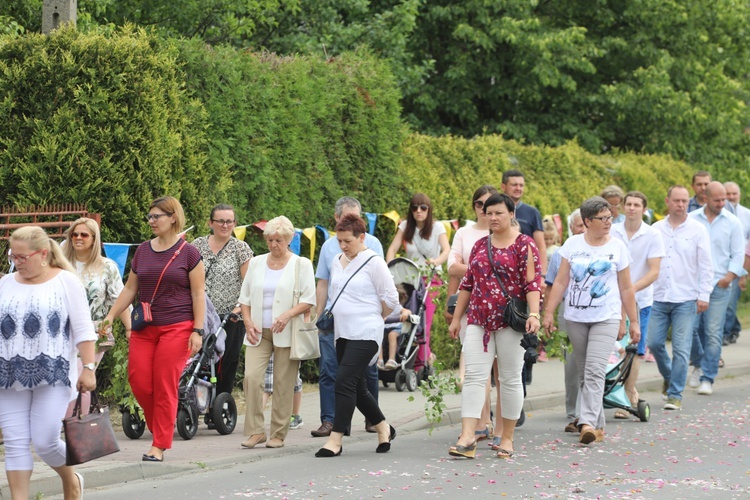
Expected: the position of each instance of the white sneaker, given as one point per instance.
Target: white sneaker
(694, 380)
(706, 389)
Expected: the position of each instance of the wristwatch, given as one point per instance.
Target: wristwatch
(90, 366)
(199, 331)
(535, 315)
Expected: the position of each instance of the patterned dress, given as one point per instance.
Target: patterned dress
(102, 290)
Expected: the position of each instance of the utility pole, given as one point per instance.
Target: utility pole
(55, 13)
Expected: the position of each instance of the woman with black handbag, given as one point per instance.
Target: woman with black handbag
(504, 267)
(365, 295)
(168, 276)
(38, 372)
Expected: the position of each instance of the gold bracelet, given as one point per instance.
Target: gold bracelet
(535, 315)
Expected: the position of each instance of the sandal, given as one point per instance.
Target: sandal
(463, 451)
(622, 415)
(381, 366)
(504, 454)
(588, 435)
(482, 435)
(495, 443)
(721, 363)
(391, 364)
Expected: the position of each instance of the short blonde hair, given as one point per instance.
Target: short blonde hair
(279, 225)
(171, 206)
(37, 239)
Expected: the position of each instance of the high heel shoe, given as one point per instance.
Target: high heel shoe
(460, 450)
(386, 447)
(326, 453)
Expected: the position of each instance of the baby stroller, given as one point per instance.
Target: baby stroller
(411, 354)
(614, 388)
(197, 389)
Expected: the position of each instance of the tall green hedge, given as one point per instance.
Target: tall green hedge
(296, 133)
(101, 120)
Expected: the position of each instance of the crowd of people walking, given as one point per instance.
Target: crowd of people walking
(617, 277)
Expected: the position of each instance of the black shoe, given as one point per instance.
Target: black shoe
(725, 341)
(521, 419)
(733, 337)
(386, 447)
(326, 453)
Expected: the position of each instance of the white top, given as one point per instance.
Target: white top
(358, 312)
(419, 248)
(252, 292)
(270, 283)
(743, 214)
(686, 273)
(40, 327)
(645, 244)
(463, 241)
(593, 291)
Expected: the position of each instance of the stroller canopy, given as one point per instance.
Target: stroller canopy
(405, 272)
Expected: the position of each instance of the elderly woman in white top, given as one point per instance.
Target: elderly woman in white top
(365, 301)
(267, 301)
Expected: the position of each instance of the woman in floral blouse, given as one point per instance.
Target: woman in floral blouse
(102, 280)
(226, 259)
(515, 259)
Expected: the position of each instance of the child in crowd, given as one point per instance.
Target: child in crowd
(393, 328)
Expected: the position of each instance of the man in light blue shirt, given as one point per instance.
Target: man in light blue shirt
(727, 257)
(732, 325)
(328, 361)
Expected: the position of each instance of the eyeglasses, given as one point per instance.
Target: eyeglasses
(150, 217)
(478, 204)
(223, 222)
(604, 218)
(423, 207)
(83, 236)
(20, 259)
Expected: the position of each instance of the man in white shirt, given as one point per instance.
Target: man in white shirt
(727, 255)
(732, 325)
(683, 288)
(646, 251)
(328, 361)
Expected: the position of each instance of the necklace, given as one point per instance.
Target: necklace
(277, 265)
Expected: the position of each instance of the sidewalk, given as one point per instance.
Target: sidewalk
(208, 449)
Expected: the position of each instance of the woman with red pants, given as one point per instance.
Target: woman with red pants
(169, 273)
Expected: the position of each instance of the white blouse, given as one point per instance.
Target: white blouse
(358, 313)
(40, 327)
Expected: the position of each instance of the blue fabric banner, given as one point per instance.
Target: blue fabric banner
(372, 219)
(295, 245)
(119, 253)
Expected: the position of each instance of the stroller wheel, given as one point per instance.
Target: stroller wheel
(400, 380)
(411, 380)
(133, 425)
(187, 422)
(644, 411)
(224, 413)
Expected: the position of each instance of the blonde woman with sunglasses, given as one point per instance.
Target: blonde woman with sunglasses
(101, 278)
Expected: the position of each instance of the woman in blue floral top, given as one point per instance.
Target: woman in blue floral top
(515, 259)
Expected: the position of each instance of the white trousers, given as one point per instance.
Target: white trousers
(506, 345)
(33, 417)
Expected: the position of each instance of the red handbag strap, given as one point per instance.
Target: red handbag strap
(176, 253)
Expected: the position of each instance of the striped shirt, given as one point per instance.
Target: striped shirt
(173, 302)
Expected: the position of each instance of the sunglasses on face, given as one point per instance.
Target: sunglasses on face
(150, 217)
(478, 204)
(423, 207)
(223, 222)
(81, 235)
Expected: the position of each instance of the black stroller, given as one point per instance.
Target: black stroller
(614, 388)
(412, 347)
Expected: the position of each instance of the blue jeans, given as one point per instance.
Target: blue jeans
(328, 368)
(681, 317)
(731, 323)
(708, 333)
(644, 315)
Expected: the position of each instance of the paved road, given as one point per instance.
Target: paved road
(701, 452)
